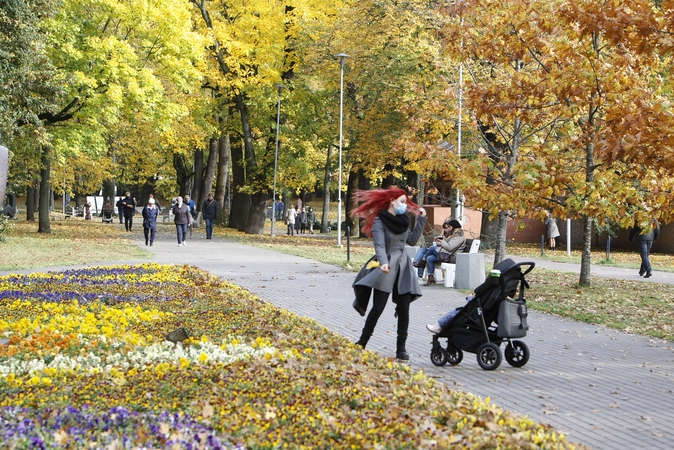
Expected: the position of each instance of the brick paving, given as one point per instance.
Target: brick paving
(602, 388)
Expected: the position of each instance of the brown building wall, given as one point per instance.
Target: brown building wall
(525, 230)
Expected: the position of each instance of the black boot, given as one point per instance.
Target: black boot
(363, 340)
(401, 352)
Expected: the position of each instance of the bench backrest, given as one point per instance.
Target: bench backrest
(472, 246)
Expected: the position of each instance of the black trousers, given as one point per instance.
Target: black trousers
(128, 222)
(379, 300)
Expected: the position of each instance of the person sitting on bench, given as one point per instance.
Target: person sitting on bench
(421, 253)
(445, 251)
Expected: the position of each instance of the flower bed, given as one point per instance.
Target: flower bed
(87, 365)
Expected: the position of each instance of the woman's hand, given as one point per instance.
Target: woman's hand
(386, 268)
(422, 212)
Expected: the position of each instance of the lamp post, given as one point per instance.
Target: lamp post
(278, 124)
(460, 199)
(342, 57)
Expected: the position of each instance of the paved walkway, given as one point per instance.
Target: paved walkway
(602, 388)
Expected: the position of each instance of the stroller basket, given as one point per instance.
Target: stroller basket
(495, 314)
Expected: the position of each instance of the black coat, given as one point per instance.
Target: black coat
(210, 209)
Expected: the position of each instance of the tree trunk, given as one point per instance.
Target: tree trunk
(587, 225)
(209, 174)
(257, 213)
(256, 202)
(223, 172)
(351, 187)
(414, 181)
(181, 173)
(499, 255)
(198, 177)
(240, 201)
(45, 194)
(325, 223)
(489, 231)
(585, 264)
(31, 197)
(109, 191)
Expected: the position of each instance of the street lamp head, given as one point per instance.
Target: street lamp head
(342, 57)
(280, 87)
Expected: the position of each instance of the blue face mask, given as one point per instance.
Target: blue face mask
(401, 208)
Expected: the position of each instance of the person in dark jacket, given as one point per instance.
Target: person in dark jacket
(311, 218)
(193, 207)
(129, 210)
(150, 213)
(120, 209)
(210, 212)
(645, 239)
(278, 209)
(182, 219)
(302, 219)
(391, 270)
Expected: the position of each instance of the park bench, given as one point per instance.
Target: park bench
(74, 212)
(446, 272)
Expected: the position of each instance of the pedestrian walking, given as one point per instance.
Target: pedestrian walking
(129, 204)
(311, 218)
(278, 209)
(390, 270)
(303, 221)
(150, 214)
(120, 209)
(291, 215)
(551, 230)
(182, 218)
(645, 239)
(190, 204)
(210, 212)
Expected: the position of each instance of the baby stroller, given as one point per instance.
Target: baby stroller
(491, 317)
(107, 215)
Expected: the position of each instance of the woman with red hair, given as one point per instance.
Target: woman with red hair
(383, 213)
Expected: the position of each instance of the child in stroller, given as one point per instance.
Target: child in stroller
(488, 318)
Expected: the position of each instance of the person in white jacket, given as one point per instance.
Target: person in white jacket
(291, 215)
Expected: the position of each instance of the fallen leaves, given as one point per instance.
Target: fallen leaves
(300, 386)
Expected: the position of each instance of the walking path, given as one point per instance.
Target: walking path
(602, 388)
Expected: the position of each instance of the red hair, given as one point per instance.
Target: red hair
(376, 200)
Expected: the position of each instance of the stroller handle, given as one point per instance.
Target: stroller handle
(530, 267)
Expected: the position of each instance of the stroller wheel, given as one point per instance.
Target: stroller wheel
(439, 356)
(455, 355)
(489, 356)
(516, 353)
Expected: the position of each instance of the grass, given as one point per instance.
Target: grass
(71, 242)
(629, 259)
